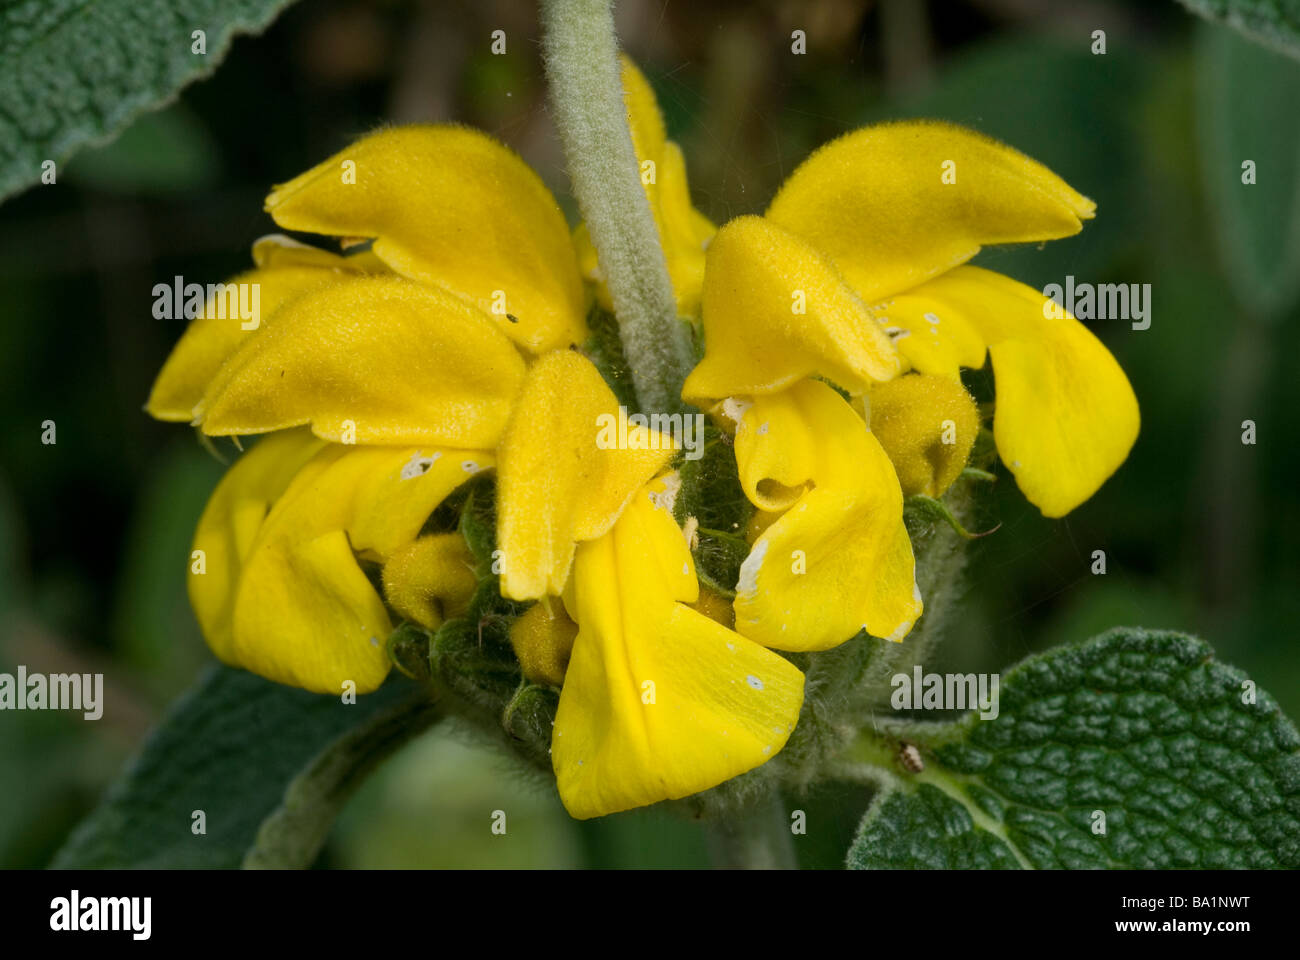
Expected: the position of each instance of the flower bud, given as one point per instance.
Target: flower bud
(927, 425)
(431, 579)
(715, 606)
(543, 639)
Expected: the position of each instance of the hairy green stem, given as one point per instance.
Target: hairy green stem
(758, 838)
(292, 836)
(586, 89)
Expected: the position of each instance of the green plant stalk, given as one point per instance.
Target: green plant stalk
(758, 838)
(292, 837)
(582, 66)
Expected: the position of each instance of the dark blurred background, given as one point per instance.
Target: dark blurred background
(1200, 531)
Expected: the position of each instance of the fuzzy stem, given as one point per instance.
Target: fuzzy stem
(586, 88)
(756, 838)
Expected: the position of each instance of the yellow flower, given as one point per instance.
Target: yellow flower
(407, 357)
(381, 380)
(556, 484)
(684, 232)
(837, 558)
(439, 344)
(659, 701)
(281, 589)
(451, 207)
(899, 209)
(854, 276)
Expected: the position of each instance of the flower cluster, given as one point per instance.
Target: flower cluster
(444, 341)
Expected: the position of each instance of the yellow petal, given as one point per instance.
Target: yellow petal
(775, 312)
(448, 205)
(644, 120)
(684, 231)
(876, 202)
(279, 250)
(371, 360)
(1066, 416)
(589, 264)
(760, 521)
(932, 338)
(230, 523)
(659, 701)
(393, 492)
(307, 616)
(839, 559)
(214, 335)
(564, 475)
(305, 613)
(286, 269)
(781, 451)
(927, 425)
(431, 579)
(542, 639)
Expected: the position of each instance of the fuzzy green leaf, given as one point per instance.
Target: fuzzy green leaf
(268, 766)
(74, 72)
(1250, 149)
(1274, 23)
(1143, 727)
(925, 829)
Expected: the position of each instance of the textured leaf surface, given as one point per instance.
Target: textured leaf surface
(74, 72)
(1275, 23)
(231, 748)
(1145, 727)
(1246, 100)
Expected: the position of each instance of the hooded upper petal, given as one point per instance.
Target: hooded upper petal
(371, 360)
(450, 206)
(1066, 415)
(838, 560)
(215, 334)
(775, 312)
(564, 473)
(659, 701)
(293, 603)
(896, 204)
